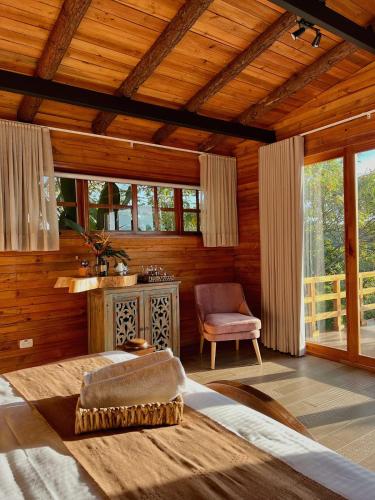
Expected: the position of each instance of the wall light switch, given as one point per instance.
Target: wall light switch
(26, 343)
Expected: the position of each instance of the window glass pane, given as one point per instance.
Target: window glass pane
(324, 254)
(165, 197)
(167, 220)
(123, 219)
(65, 189)
(66, 213)
(99, 218)
(365, 165)
(145, 195)
(98, 192)
(190, 221)
(122, 194)
(189, 198)
(146, 219)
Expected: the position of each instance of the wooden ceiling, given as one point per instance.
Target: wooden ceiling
(104, 43)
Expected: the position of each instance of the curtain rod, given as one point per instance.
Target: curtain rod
(130, 141)
(119, 139)
(71, 175)
(340, 122)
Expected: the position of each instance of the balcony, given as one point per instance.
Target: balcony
(325, 311)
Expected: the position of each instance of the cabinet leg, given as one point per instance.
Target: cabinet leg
(237, 345)
(213, 355)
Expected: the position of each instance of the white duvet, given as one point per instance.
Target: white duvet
(30, 468)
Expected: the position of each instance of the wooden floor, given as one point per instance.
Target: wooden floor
(334, 401)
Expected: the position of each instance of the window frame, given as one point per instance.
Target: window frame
(110, 206)
(83, 206)
(196, 210)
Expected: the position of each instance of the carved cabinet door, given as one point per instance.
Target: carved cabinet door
(162, 318)
(126, 316)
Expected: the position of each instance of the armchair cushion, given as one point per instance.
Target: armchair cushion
(223, 323)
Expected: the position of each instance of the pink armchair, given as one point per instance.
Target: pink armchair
(223, 314)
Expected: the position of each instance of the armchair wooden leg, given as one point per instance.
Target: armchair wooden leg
(213, 355)
(201, 346)
(257, 351)
(237, 345)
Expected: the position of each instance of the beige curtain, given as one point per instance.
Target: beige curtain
(28, 218)
(218, 201)
(281, 231)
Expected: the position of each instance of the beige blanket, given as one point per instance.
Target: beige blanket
(198, 459)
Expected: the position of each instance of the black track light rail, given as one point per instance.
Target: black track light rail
(317, 13)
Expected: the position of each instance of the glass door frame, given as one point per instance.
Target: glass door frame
(352, 354)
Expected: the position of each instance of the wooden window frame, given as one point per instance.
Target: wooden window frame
(76, 204)
(352, 354)
(83, 206)
(110, 206)
(191, 210)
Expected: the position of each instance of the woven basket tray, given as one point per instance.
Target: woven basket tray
(150, 414)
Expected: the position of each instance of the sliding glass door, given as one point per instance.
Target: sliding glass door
(365, 170)
(339, 257)
(324, 256)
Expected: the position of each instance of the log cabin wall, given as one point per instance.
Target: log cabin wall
(56, 321)
(328, 142)
(247, 254)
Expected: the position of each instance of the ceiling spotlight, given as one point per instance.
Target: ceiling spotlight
(316, 42)
(296, 34)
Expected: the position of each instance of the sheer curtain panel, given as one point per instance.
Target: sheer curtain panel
(28, 218)
(281, 232)
(219, 223)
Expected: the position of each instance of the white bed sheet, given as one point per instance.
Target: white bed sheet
(41, 472)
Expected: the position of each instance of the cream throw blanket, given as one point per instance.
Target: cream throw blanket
(125, 367)
(156, 382)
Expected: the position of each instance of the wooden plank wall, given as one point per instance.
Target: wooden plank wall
(29, 305)
(247, 254)
(359, 133)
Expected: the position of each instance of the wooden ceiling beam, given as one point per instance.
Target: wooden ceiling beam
(290, 87)
(76, 96)
(316, 12)
(232, 70)
(187, 15)
(64, 29)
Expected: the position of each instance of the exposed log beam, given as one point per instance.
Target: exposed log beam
(290, 87)
(187, 15)
(316, 12)
(48, 89)
(70, 16)
(233, 69)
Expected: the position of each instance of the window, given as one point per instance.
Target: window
(110, 206)
(66, 199)
(121, 206)
(190, 210)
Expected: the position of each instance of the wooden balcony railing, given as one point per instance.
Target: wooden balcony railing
(337, 312)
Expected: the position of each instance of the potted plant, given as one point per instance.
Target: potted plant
(100, 245)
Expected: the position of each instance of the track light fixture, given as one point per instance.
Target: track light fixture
(296, 34)
(318, 36)
(303, 25)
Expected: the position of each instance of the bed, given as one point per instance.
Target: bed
(38, 461)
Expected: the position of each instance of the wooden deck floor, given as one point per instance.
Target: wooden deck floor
(338, 339)
(334, 401)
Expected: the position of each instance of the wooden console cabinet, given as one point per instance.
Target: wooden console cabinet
(150, 311)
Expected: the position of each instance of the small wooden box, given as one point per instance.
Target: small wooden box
(150, 414)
